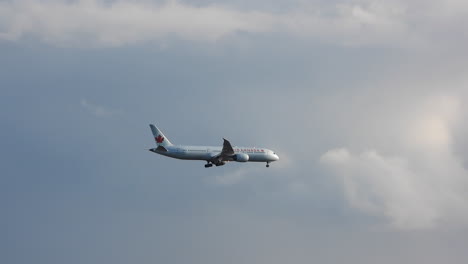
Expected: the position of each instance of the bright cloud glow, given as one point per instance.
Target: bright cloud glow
(419, 188)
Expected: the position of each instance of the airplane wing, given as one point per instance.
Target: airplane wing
(225, 153)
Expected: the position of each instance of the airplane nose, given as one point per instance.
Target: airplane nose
(273, 157)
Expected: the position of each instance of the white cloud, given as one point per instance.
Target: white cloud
(424, 184)
(123, 22)
(116, 23)
(97, 110)
(349, 23)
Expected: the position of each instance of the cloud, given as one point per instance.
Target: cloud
(422, 185)
(97, 110)
(123, 22)
(116, 23)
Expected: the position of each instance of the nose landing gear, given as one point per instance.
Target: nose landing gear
(268, 164)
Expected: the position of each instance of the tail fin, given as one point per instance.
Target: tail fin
(159, 137)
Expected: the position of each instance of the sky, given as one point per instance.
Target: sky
(364, 102)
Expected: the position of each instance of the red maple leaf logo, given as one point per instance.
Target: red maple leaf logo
(159, 139)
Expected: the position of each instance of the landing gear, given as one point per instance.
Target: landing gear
(208, 165)
(268, 164)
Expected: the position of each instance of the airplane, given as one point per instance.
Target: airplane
(212, 155)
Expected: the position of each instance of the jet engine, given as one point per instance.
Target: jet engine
(241, 157)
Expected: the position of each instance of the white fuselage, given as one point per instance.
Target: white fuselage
(207, 152)
(217, 156)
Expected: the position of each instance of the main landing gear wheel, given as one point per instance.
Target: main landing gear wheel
(208, 165)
